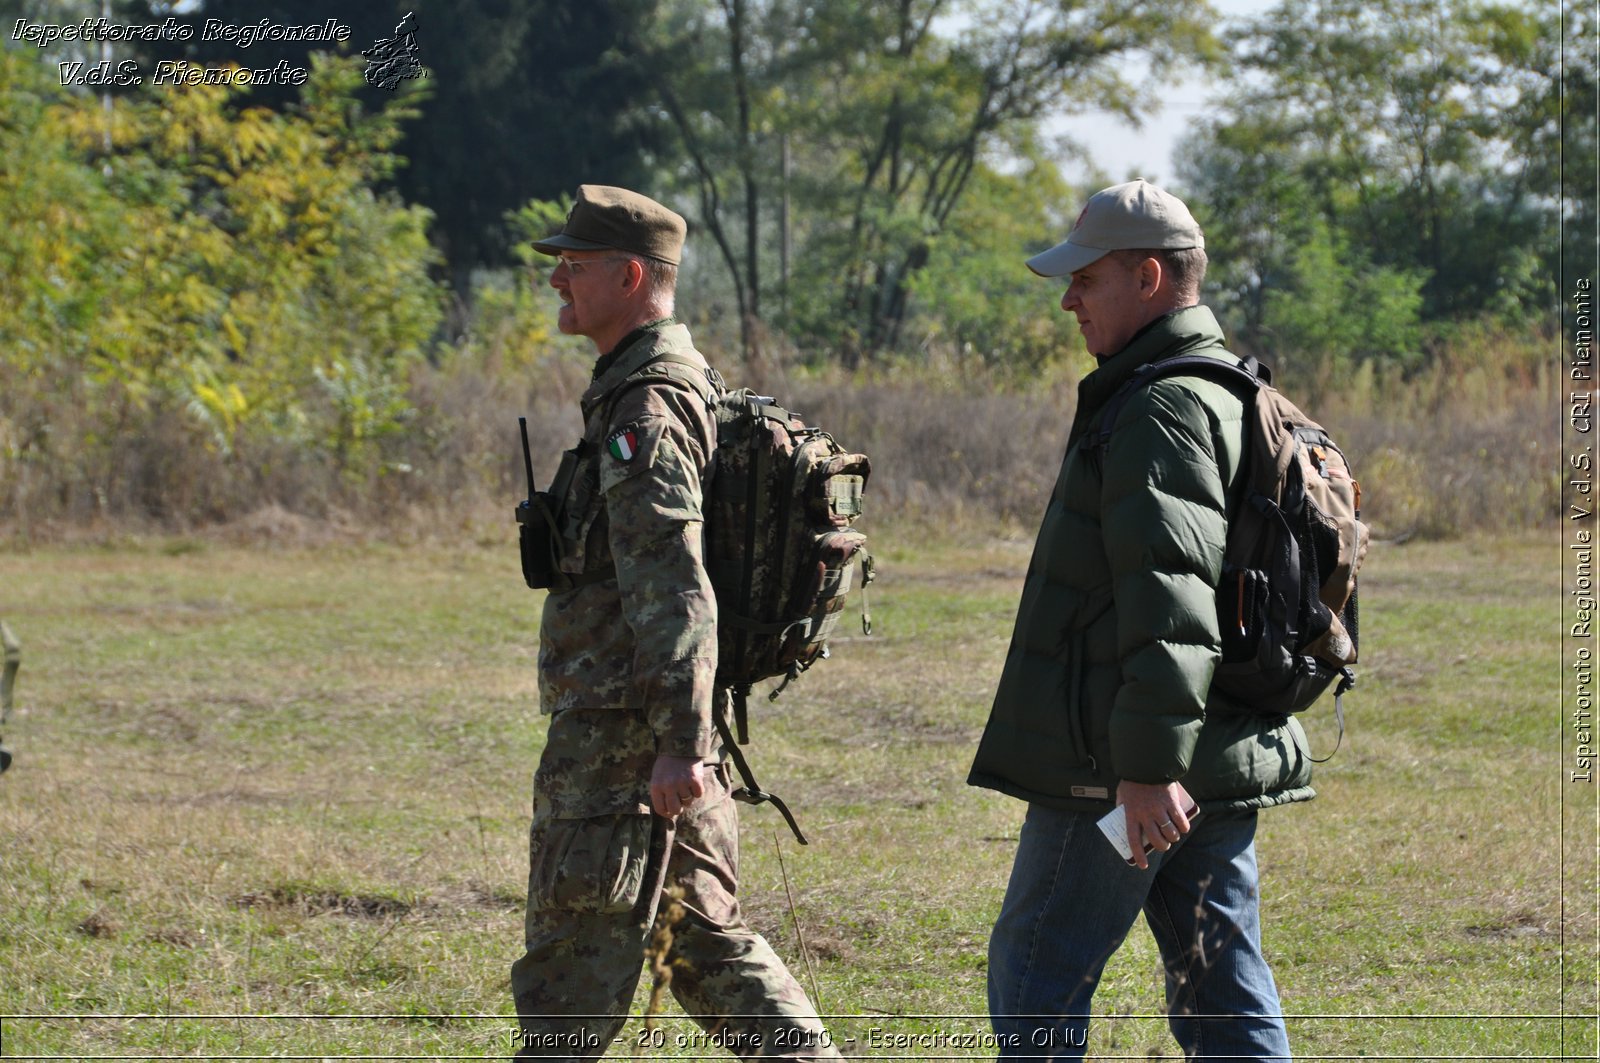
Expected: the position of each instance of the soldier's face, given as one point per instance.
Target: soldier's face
(591, 290)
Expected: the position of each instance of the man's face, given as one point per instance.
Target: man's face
(1106, 298)
(591, 292)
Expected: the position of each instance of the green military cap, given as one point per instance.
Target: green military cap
(607, 218)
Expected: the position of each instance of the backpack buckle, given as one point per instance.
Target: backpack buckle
(752, 796)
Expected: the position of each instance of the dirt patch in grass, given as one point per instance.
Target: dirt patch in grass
(479, 896)
(98, 925)
(447, 901)
(325, 902)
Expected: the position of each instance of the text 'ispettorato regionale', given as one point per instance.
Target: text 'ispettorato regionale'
(168, 72)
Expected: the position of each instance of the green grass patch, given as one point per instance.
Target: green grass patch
(275, 802)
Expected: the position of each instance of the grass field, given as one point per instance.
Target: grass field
(273, 803)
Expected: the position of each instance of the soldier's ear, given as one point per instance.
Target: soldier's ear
(632, 275)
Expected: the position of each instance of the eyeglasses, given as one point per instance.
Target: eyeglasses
(576, 266)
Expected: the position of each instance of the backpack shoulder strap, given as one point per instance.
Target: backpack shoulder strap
(672, 367)
(1251, 373)
(694, 373)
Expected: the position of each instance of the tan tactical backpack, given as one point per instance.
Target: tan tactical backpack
(1287, 607)
(781, 549)
(780, 506)
(780, 541)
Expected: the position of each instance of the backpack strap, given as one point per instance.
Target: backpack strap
(1251, 372)
(751, 792)
(1347, 679)
(699, 377)
(559, 488)
(703, 380)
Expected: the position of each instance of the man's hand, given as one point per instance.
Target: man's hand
(1155, 815)
(676, 783)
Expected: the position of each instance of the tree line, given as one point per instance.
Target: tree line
(862, 178)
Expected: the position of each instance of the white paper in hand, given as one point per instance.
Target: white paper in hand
(1114, 825)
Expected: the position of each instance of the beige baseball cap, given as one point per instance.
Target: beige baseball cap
(606, 218)
(1123, 217)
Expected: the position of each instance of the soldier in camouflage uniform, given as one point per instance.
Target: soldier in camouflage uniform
(632, 797)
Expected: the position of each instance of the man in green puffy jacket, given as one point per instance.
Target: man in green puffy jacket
(1105, 701)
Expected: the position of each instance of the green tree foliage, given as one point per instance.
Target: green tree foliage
(852, 130)
(227, 270)
(1560, 129)
(1369, 148)
(514, 314)
(976, 293)
(528, 100)
(1336, 310)
(521, 100)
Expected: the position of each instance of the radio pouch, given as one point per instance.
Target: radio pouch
(539, 540)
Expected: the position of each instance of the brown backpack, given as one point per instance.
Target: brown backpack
(1287, 607)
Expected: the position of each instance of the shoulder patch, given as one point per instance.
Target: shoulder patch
(623, 444)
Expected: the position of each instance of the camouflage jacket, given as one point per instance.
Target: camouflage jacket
(638, 631)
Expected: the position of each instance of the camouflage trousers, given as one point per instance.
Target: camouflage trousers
(595, 893)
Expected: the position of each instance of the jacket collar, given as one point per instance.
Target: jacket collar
(640, 349)
(1180, 332)
(606, 360)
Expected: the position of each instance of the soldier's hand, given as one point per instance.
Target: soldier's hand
(676, 783)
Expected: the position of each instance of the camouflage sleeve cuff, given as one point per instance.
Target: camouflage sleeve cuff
(678, 701)
(702, 746)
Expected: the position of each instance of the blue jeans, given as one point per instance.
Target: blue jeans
(1070, 904)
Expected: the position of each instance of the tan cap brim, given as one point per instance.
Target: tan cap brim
(1065, 258)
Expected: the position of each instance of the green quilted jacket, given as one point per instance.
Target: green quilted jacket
(1110, 664)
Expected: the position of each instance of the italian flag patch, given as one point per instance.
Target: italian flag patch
(624, 443)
